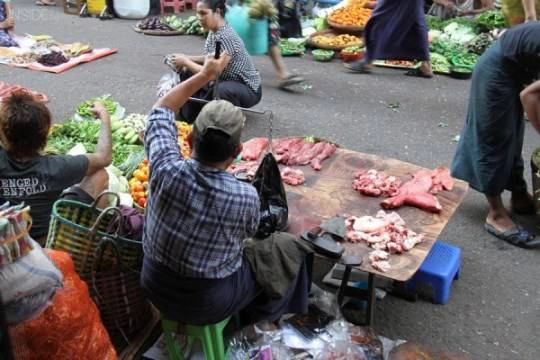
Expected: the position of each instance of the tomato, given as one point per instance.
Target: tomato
(141, 202)
(138, 187)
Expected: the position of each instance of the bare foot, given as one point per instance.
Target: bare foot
(500, 221)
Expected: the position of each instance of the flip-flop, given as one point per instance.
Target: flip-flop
(516, 236)
(43, 3)
(358, 67)
(290, 81)
(418, 73)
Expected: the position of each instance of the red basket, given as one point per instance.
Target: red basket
(348, 57)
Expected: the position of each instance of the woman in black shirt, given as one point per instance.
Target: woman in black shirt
(505, 82)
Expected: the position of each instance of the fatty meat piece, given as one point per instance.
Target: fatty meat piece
(375, 183)
(419, 190)
(293, 177)
(253, 148)
(386, 233)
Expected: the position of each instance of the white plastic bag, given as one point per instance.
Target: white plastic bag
(32, 274)
(167, 82)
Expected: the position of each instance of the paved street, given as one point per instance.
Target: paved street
(494, 311)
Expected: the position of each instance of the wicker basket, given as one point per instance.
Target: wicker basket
(315, 44)
(117, 292)
(345, 28)
(159, 32)
(77, 229)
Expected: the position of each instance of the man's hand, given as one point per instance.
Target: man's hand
(213, 67)
(99, 111)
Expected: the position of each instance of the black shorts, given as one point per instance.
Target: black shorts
(76, 193)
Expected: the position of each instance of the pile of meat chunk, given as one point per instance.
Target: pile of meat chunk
(419, 191)
(386, 233)
(375, 183)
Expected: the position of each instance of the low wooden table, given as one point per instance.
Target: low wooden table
(328, 193)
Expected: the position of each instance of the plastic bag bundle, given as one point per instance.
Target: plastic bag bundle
(70, 328)
(28, 278)
(15, 242)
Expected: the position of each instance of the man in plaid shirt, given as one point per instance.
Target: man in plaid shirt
(198, 215)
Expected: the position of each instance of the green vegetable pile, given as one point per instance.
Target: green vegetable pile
(173, 21)
(192, 26)
(64, 137)
(84, 111)
(462, 40)
(465, 60)
(490, 20)
(439, 63)
(291, 47)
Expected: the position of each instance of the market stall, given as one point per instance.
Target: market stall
(43, 53)
(326, 194)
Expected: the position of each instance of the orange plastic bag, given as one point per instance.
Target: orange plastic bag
(69, 329)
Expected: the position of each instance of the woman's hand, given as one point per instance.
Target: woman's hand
(7, 24)
(179, 60)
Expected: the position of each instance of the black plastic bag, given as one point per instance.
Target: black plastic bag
(274, 208)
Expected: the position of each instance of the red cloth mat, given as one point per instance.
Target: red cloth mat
(94, 55)
(7, 89)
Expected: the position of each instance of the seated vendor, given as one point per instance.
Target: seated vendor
(197, 217)
(240, 82)
(446, 9)
(7, 24)
(39, 180)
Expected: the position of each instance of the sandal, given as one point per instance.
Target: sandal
(517, 236)
(45, 3)
(358, 67)
(418, 73)
(290, 81)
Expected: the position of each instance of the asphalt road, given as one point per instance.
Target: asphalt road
(494, 311)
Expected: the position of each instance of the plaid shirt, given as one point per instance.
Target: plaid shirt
(196, 217)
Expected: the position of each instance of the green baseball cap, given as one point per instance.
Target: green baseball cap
(221, 115)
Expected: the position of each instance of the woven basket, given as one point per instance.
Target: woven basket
(77, 228)
(315, 44)
(354, 29)
(117, 292)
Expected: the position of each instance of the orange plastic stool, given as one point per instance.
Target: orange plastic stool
(177, 5)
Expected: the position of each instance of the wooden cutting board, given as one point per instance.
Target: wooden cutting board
(328, 193)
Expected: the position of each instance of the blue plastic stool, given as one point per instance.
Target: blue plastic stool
(441, 267)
